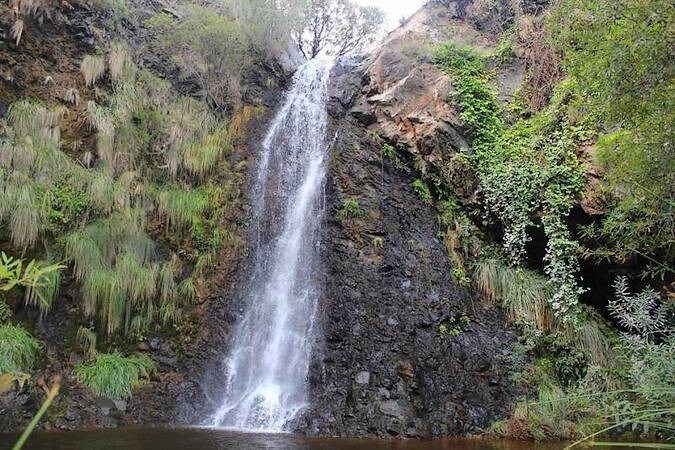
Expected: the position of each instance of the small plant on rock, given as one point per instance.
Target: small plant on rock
(454, 326)
(115, 376)
(350, 209)
(422, 189)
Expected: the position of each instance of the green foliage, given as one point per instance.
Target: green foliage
(350, 209)
(184, 208)
(18, 349)
(115, 259)
(524, 169)
(388, 151)
(454, 325)
(268, 24)
(5, 311)
(149, 142)
(423, 191)
(460, 276)
(505, 51)
(41, 281)
(115, 376)
(619, 55)
(523, 293)
(206, 46)
(631, 391)
(67, 202)
(31, 162)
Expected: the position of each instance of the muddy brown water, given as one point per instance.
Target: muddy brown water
(213, 439)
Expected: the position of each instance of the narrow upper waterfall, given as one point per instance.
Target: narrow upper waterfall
(268, 363)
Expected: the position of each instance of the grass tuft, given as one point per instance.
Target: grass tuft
(115, 376)
(92, 68)
(18, 349)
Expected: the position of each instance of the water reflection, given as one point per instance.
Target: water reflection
(212, 439)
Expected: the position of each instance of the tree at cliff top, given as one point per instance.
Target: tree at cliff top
(337, 27)
(269, 24)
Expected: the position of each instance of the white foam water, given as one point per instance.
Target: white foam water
(268, 363)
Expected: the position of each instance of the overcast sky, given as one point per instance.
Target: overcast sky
(395, 9)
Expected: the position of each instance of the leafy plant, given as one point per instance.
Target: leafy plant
(618, 56)
(350, 209)
(423, 191)
(529, 167)
(115, 376)
(18, 349)
(454, 326)
(388, 151)
(41, 281)
(639, 313)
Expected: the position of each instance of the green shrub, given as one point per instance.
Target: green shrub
(18, 349)
(528, 168)
(617, 53)
(115, 376)
(350, 209)
(68, 201)
(206, 46)
(423, 191)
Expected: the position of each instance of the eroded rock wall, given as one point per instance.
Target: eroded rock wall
(386, 366)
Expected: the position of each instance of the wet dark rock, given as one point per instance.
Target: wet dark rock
(384, 300)
(362, 377)
(143, 346)
(121, 405)
(71, 415)
(155, 343)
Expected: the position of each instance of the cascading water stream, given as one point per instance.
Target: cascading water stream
(269, 359)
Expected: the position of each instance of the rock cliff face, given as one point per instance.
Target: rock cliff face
(404, 96)
(405, 351)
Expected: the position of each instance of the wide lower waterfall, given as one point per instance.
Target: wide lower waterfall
(268, 363)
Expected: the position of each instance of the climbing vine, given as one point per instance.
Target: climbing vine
(524, 169)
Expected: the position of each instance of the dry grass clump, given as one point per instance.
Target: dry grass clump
(526, 297)
(153, 149)
(120, 64)
(523, 293)
(92, 68)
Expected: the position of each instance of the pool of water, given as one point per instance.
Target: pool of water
(212, 439)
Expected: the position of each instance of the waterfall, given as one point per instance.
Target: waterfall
(268, 364)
